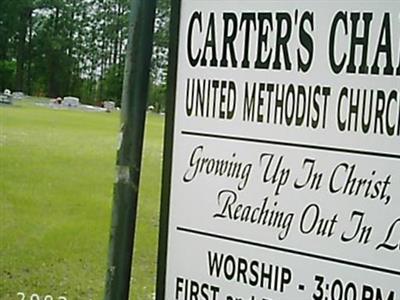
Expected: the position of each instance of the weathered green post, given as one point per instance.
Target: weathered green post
(129, 155)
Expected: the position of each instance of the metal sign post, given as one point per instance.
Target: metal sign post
(129, 156)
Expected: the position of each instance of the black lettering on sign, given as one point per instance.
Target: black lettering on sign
(281, 39)
(355, 29)
(249, 272)
(188, 289)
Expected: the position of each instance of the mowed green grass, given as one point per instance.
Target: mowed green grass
(57, 169)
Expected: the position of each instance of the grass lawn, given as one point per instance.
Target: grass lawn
(56, 180)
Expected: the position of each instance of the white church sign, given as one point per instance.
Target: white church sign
(282, 165)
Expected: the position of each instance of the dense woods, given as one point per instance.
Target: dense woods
(57, 48)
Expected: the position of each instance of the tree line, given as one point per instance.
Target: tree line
(57, 48)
